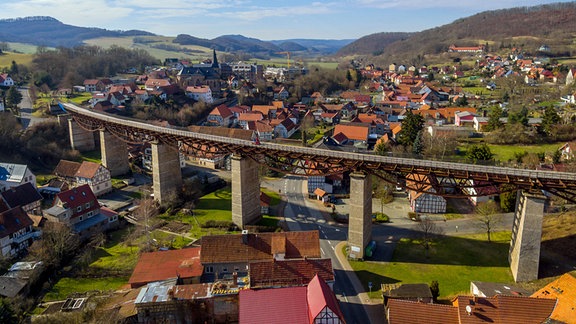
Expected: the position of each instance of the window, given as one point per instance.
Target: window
(79, 208)
(209, 269)
(87, 205)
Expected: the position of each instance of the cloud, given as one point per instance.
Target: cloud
(254, 13)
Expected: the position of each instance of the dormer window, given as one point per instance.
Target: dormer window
(79, 208)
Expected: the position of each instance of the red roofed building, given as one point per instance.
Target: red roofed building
(79, 209)
(220, 116)
(315, 303)
(16, 232)
(93, 174)
(289, 273)
(564, 289)
(183, 264)
(352, 133)
(225, 254)
(500, 309)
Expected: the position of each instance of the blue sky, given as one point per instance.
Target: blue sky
(266, 20)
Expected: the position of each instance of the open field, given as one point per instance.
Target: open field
(7, 58)
(452, 261)
(114, 262)
(506, 152)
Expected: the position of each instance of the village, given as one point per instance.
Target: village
(231, 278)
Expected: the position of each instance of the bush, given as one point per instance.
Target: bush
(229, 225)
(381, 218)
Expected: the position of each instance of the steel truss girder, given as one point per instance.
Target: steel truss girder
(285, 161)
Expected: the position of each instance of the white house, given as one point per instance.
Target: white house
(6, 80)
(12, 175)
(16, 232)
(200, 93)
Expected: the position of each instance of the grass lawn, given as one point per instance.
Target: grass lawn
(215, 206)
(274, 196)
(92, 156)
(116, 258)
(116, 255)
(80, 97)
(452, 261)
(67, 286)
(506, 152)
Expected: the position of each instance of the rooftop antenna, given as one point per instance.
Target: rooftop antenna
(469, 310)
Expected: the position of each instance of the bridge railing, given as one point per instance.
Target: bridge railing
(355, 156)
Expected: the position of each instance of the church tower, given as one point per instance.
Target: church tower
(215, 60)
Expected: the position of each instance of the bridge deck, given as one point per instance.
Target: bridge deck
(461, 170)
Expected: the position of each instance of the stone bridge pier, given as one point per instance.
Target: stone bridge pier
(524, 254)
(360, 219)
(114, 154)
(166, 172)
(245, 191)
(80, 139)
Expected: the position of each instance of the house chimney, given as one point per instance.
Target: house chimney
(245, 237)
(234, 279)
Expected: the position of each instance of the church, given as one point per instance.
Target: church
(209, 74)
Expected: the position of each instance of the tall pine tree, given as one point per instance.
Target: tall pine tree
(411, 125)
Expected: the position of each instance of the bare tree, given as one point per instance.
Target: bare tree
(146, 216)
(428, 231)
(58, 243)
(487, 215)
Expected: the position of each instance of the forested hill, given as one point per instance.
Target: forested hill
(527, 27)
(47, 31)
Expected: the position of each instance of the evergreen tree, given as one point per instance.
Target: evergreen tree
(479, 153)
(462, 101)
(411, 125)
(494, 119)
(550, 119)
(13, 98)
(418, 146)
(520, 117)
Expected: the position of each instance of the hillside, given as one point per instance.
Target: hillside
(526, 27)
(373, 44)
(47, 31)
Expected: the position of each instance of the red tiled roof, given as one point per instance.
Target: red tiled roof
(564, 289)
(340, 137)
(289, 272)
(273, 306)
(404, 311)
(320, 296)
(259, 246)
(264, 109)
(76, 197)
(250, 116)
(222, 111)
(66, 169)
(88, 169)
(358, 133)
(13, 220)
(504, 309)
(162, 265)
(260, 126)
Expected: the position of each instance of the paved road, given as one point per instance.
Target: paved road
(302, 214)
(26, 105)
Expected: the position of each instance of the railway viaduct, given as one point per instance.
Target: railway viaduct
(447, 178)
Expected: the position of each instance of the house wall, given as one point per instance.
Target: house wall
(428, 203)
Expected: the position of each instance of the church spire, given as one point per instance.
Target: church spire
(215, 60)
